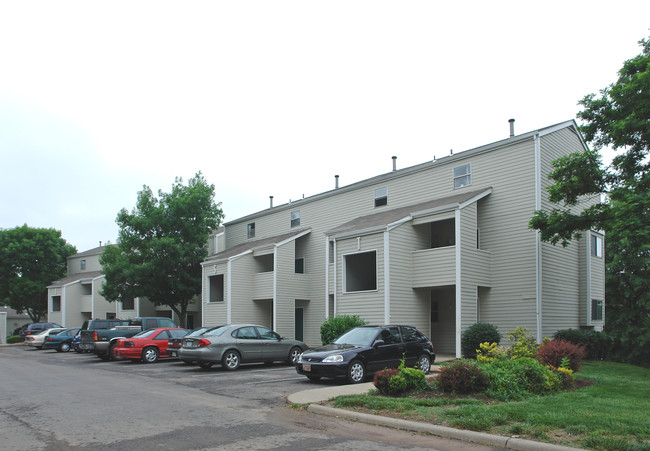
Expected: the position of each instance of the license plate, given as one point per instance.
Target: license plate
(306, 366)
(86, 347)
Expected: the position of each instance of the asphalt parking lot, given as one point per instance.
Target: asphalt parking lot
(69, 401)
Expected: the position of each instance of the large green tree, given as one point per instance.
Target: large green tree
(30, 260)
(619, 118)
(161, 245)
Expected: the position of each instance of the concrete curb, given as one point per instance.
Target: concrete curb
(440, 431)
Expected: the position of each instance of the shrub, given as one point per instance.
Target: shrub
(461, 376)
(392, 382)
(382, 378)
(476, 334)
(334, 327)
(554, 352)
(597, 344)
(516, 379)
(567, 379)
(489, 352)
(14, 339)
(523, 344)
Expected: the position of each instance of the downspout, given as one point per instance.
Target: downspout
(229, 295)
(386, 278)
(538, 239)
(327, 277)
(459, 290)
(336, 272)
(275, 287)
(588, 278)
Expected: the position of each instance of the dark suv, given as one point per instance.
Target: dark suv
(34, 328)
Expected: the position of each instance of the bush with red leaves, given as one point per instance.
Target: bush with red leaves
(552, 353)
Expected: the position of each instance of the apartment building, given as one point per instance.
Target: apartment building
(76, 298)
(440, 246)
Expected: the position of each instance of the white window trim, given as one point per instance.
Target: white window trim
(468, 175)
(344, 263)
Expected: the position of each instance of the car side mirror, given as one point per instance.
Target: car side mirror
(378, 343)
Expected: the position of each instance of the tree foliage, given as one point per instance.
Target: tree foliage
(161, 245)
(30, 260)
(619, 117)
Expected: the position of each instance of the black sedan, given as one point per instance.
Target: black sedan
(364, 350)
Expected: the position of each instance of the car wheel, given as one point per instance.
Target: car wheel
(65, 347)
(150, 355)
(424, 363)
(205, 365)
(230, 360)
(293, 355)
(111, 352)
(356, 372)
(313, 378)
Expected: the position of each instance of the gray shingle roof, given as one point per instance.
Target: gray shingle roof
(386, 217)
(252, 245)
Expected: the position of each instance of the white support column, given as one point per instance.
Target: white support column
(459, 291)
(386, 278)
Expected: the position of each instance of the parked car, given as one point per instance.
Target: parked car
(35, 328)
(364, 350)
(234, 344)
(38, 339)
(174, 344)
(148, 345)
(62, 341)
(103, 341)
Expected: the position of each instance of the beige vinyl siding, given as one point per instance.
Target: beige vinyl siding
(214, 313)
(369, 305)
(563, 268)
(504, 269)
(503, 217)
(244, 310)
(406, 306)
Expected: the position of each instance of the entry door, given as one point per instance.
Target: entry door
(299, 327)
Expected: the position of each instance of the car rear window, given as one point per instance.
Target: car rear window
(216, 332)
(412, 335)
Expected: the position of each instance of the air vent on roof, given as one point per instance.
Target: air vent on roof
(512, 127)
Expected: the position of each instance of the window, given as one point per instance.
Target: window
(462, 176)
(82, 264)
(412, 335)
(381, 197)
(390, 336)
(597, 310)
(246, 333)
(56, 303)
(267, 334)
(360, 272)
(295, 218)
(163, 335)
(596, 246)
(128, 303)
(216, 288)
(300, 266)
(250, 230)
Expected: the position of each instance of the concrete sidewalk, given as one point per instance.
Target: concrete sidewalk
(318, 395)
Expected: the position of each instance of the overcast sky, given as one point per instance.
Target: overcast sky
(275, 98)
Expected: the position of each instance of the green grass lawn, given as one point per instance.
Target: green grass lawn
(611, 414)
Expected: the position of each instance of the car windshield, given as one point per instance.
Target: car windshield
(216, 331)
(144, 333)
(360, 336)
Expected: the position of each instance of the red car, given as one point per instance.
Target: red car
(149, 345)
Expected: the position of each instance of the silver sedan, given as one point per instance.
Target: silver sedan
(234, 344)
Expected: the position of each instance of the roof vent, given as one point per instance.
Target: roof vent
(270, 201)
(512, 127)
(394, 164)
(336, 182)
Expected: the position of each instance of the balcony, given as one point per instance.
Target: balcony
(434, 267)
(296, 284)
(437, 267)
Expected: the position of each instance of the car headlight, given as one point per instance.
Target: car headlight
(333, 358)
